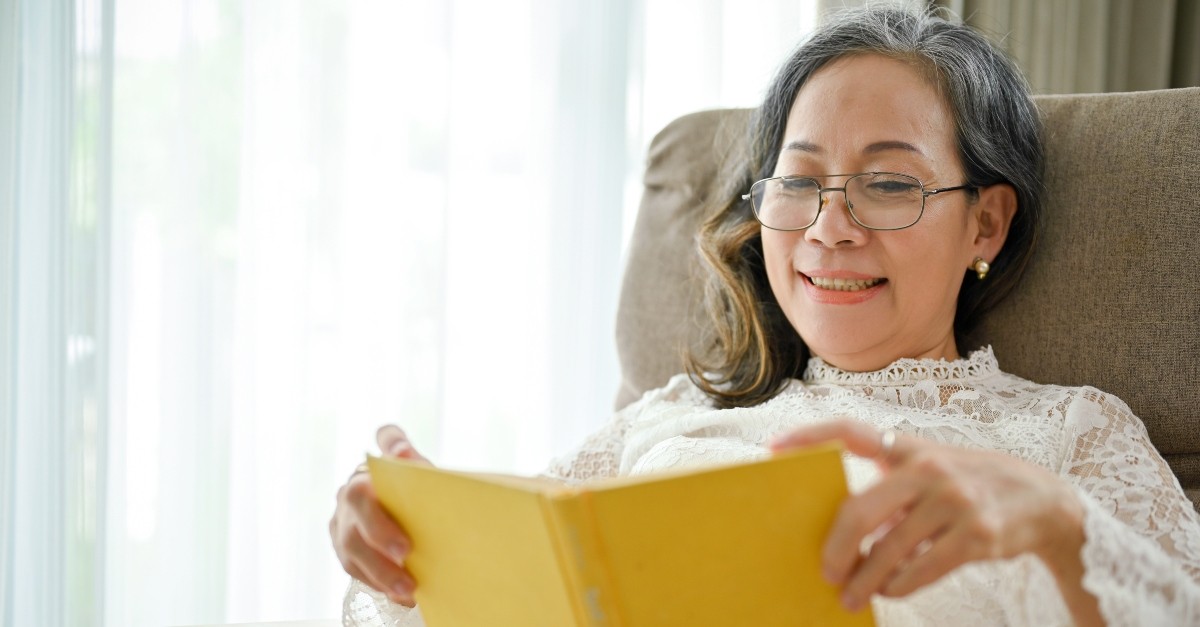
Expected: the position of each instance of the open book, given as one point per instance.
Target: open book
(728, 545)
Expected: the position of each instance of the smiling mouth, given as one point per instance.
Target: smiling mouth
(844, 285)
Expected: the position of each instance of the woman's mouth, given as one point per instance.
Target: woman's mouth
(843, 288)
(844, 285)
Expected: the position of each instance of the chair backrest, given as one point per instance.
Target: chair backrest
(1111, 298)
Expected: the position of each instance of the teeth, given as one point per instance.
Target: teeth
(844, 285)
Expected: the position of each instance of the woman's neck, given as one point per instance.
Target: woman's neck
(879, 357)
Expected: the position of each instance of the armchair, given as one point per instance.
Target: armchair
(1111, 298)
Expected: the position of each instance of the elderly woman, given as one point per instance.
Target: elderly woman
(890, 199)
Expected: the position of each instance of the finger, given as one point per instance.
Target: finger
(925, 522)
(394, 441)
(947, 553)
(864, 513)
(859, 438)
(355, 571)
(379, 572)
(358, 574)
(377, 527)
(390, 437)
(352, 567)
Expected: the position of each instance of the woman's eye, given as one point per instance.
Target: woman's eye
(892, 187)
(798, 185)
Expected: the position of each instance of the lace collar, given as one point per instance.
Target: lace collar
(979, 363)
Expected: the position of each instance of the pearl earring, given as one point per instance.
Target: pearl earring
(980, 267)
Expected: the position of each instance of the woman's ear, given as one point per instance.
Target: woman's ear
(993, 213)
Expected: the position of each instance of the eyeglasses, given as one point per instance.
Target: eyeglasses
(881, 201)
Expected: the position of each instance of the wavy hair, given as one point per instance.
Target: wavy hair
(753, 349)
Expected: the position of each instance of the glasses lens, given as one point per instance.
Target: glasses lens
(885, 201)
(786, 203)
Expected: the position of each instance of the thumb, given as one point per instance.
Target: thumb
(394, 442)
(860, 439)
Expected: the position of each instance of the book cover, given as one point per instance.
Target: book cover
(726, 545)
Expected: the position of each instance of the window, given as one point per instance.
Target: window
(246, 234)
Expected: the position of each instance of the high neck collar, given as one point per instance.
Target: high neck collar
(980, 363)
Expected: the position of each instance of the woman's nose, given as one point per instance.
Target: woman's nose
(834, 225)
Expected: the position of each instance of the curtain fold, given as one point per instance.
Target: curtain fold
(37, 520)
(53, 279)
(9, 82)
(1085, 46)
(1185, 59)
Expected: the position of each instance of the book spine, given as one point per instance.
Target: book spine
(581, 557)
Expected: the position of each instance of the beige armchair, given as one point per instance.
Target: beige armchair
(1111, 299)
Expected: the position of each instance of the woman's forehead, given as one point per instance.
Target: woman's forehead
(865, 103)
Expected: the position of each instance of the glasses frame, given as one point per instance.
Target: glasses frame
(925, 193)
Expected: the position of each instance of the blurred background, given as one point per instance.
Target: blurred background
(236, 237)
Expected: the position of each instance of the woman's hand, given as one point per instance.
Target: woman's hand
(938, 507)
(369, 543)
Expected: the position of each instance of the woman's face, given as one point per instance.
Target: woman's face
(869, 113)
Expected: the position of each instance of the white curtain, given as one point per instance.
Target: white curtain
(53, 300)
(237, 237)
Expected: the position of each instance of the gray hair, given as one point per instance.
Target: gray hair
(997, 127)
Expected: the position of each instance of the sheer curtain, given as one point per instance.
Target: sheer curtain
(53, 311)
(237, 237)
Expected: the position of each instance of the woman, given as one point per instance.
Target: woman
(890, 198)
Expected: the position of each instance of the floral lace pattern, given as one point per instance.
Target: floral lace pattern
(1142, 549)
(978, 364)
(366, 607)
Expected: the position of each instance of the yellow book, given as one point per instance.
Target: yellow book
(724, 546)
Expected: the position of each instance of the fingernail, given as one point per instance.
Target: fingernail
(401, 591)
(398, 552)
(850, 601)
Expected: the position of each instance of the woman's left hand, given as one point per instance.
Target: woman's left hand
(938, 507)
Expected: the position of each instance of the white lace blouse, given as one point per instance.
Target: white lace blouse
(1142, 549)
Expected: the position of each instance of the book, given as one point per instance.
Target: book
(727, 545)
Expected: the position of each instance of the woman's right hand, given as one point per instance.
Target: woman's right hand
(369, 544)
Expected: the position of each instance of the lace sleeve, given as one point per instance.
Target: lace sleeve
(598, 457)
(364, 606)
(1141, 554)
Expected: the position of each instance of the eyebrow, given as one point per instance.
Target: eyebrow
(876, 147)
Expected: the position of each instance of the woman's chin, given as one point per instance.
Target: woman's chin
(850, 349)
